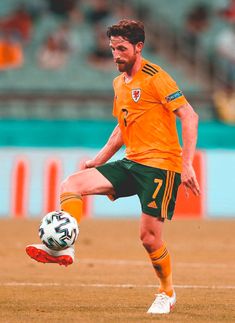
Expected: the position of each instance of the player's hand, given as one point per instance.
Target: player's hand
(87, 164)
(189, 180)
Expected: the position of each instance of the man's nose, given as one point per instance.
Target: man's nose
(116, 56)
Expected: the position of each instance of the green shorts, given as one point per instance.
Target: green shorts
(156, 188)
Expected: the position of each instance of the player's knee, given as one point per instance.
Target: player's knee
(65, 185)
(72, 183)
(148, 240)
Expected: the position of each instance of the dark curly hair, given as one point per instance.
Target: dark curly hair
(131, 30)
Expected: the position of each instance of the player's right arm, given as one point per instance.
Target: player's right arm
(114, 143)
(189, 121)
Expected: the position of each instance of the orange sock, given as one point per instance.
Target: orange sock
(73, 204)
(162, 264)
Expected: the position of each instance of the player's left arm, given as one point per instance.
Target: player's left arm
(114, 143)
(189, 121)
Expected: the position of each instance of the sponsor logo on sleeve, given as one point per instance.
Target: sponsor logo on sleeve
(173, 96)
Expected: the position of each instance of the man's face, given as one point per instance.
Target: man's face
(124, 53)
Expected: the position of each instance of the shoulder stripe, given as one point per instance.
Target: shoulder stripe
(153, 68)
(149, 70)
(149, 73)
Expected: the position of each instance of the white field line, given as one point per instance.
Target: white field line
(31, 284)
(128, 262)
(116, 262)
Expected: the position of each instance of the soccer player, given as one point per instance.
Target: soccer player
(146, 104)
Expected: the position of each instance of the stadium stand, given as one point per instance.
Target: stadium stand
(78, 90)
(77, 68)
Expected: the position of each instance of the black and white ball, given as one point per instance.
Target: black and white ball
(58, 230)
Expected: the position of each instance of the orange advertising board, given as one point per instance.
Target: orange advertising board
(193, 206)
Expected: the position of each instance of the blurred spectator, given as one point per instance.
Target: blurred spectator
(225, 48)
(123, 9)
(63, 36)
(224, 101)
(18, 24)
(101, 56)
(66, 8)
(62, 7)
(228, 12)
(56, 49)
(37, 9)
(98, 11)
(196, 23)
(11, 53)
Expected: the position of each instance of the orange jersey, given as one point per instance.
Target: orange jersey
(144, 109)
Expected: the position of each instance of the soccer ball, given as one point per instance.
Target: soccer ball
(58, 230)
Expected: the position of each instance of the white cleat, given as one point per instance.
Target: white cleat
(41, 253)
(162, 304)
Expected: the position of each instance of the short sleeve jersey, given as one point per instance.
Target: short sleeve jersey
(145, 109)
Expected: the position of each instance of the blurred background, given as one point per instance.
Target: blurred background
(56, 95)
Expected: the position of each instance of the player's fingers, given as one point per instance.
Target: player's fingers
(89, 163)
(186, 184)
(186, 191)
(192, 184)
(195, 187)
(195, 191)
(82, 165)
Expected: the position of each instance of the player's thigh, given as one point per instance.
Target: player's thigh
(87, 182)
(119, 175)
(157, 190)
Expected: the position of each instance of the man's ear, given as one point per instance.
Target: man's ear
(139, 47)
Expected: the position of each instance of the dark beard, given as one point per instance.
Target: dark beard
(126, 67)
